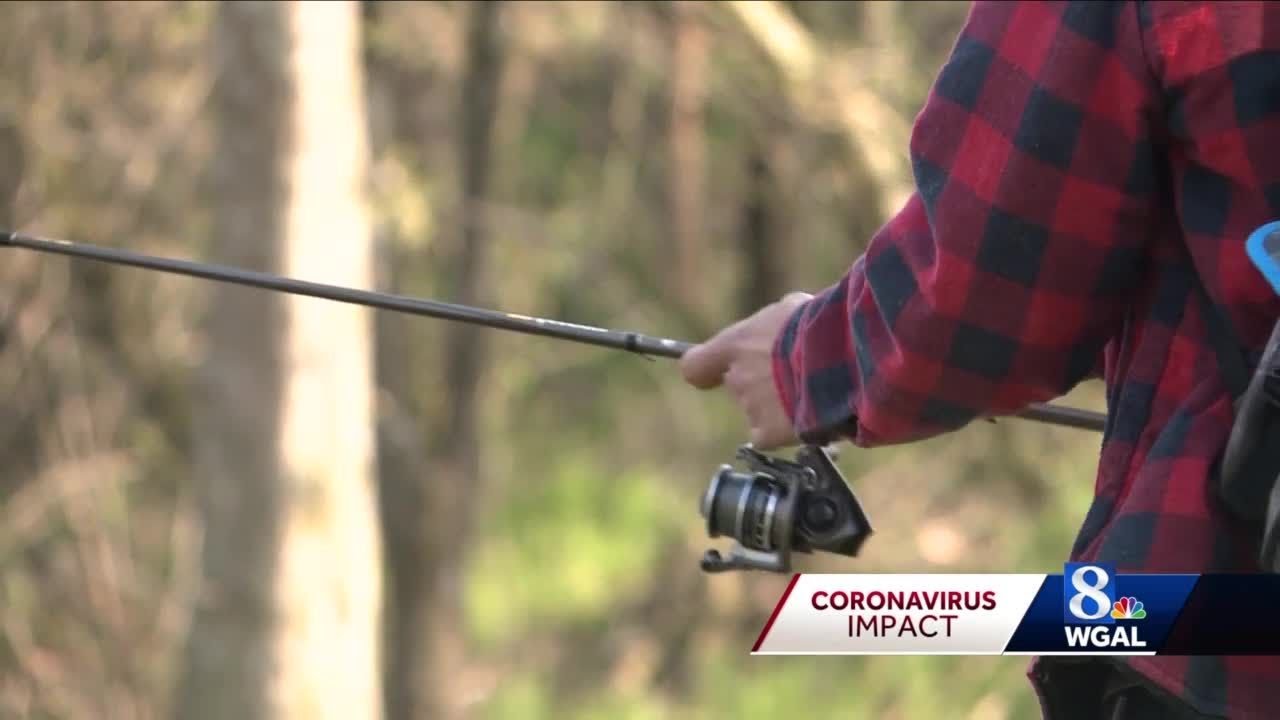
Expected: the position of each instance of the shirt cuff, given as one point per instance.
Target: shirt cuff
(787, 382)
(783, 377)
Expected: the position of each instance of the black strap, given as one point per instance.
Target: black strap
(1105, 689)
(1129, 698)
(1246, 471)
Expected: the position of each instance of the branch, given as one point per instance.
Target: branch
(827, 88)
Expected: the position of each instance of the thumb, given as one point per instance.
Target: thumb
(704, 366)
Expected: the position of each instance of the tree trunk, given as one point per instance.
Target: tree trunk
(12, 166)
(428, 557)
(687, 166)
(764, 277)
(285, 625)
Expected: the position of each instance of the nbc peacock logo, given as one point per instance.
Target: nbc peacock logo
(1128, 608)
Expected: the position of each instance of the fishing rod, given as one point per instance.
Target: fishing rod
(617, 339)
(774, 508)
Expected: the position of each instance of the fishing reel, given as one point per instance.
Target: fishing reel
(778, 507)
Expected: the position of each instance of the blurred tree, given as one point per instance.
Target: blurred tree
(687, 167)
(11, 167)
(833, 91)
(92, 371)
(764, 277)
(430, 516)
(285, 624)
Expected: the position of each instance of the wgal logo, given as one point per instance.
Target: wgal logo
(1089, 598)
(1088, 594)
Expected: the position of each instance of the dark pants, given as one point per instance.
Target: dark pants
(1097, 689)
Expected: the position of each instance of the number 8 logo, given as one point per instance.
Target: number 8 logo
(1093, 592)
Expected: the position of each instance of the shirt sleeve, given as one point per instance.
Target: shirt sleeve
(1001, 280)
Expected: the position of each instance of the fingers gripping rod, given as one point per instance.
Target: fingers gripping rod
(617, 339)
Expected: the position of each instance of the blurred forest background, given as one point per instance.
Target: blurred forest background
(216, 502)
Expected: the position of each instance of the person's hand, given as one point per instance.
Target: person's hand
(740, 357)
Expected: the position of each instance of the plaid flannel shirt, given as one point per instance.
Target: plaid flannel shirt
(1080, 167)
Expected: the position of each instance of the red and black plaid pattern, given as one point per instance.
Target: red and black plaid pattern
(1082, 170)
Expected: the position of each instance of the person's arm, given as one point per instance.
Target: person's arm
(1002, 278)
